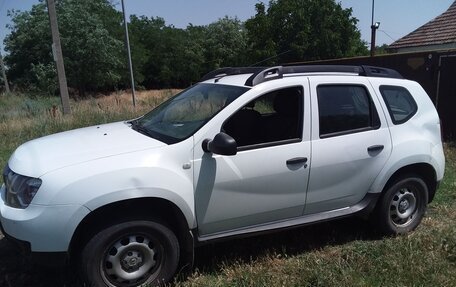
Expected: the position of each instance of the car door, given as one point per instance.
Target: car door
(266, 180)
(350, 142)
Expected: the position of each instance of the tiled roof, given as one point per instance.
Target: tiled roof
(441, 30)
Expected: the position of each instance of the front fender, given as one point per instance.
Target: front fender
(118, 196)
(98, 183)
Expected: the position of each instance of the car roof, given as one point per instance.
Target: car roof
(251, 76)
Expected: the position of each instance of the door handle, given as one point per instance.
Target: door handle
(375, 148)
(297, 160)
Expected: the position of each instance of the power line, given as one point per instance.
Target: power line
(394, 40)
(270, 58)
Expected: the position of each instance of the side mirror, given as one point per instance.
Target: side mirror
(222, 144)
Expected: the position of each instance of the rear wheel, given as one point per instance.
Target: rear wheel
(403, 205)
(130, 254)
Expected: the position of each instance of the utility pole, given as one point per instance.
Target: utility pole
(4, 74)
(130, 65)
(374, 27)
(58, 57)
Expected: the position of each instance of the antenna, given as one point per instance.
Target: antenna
(270, 58)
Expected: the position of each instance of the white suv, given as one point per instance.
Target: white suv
(247, 150)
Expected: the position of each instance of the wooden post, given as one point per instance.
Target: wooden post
(130, 65)
(5, 79)
(58, 57)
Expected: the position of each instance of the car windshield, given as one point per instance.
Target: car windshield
(184, 114)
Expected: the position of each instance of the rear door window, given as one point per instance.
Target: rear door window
(345, 109)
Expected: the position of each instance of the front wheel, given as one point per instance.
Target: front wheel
(402, 206)
(131, 254)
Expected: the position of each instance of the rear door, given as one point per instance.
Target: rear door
(350, 142)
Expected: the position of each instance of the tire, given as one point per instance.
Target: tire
(131, 254)
(402, 206)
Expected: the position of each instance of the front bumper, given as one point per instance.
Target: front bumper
(40, 228)
(51, 259)
(23, 246)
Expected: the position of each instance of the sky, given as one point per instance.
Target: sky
(397, 17)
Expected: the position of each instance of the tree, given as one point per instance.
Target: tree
(381, 50)
(28, 47)
(225, 43)
(302, 30)
(164, 56)
(261, 45)
(93, 55)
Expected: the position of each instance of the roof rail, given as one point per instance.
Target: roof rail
(265, 75)
(228, 71)
(262, 74)
(371, 71)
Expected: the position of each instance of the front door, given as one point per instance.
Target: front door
(266, 180)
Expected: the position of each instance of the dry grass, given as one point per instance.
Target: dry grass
(23, 118)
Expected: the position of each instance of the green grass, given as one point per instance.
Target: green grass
(340, 253)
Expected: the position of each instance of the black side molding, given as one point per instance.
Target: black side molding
(365, 206)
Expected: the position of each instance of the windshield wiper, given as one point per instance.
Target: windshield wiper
(141, 129)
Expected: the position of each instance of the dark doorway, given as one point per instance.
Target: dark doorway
(446, 98)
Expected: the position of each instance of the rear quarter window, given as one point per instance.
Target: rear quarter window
(400, 103)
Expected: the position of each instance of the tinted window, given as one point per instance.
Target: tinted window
(271, 118)
(345, 109)
(400, 103)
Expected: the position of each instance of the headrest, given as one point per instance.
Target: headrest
(286, 102)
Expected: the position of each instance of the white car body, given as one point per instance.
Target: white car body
(221, 196)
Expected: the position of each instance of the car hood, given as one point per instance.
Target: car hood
(40, 156)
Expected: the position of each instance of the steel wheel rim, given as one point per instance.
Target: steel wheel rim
(131, 260)
(403, 206)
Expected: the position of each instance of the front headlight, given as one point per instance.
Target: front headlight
(20, 189)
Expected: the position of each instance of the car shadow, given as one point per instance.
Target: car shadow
(211, 258)
(17, 270)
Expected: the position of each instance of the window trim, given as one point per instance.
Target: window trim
(372, 106)
(414, 104)
(348, 132)
(268, 144)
